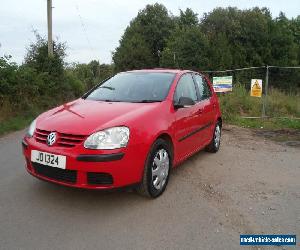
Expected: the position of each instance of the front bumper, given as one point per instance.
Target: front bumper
(87, 168)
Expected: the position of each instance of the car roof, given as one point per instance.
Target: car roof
(163, 70)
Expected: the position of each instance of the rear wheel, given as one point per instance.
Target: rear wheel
(214, 145)
(157, 170)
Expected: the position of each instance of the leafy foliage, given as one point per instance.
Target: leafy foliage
(43, 82)
(90, 74)
(186, 52)
(134, 54)
(221, 39)
(37, 56)
(144, 39)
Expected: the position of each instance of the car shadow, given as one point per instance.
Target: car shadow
(68, 197)
(190, 162)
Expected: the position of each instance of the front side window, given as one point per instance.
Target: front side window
(134, 87)
(203, 87)
(185, 88)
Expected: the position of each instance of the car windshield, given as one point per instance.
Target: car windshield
(134, 87)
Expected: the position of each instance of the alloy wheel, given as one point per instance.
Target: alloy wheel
(217, 136)
(160, 169)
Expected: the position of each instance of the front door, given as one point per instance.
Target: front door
(187, 132)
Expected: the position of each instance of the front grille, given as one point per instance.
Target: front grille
(99, 178)
(58, 174)
(63, 140)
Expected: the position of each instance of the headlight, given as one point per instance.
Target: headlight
(31, 128)
(112, 138)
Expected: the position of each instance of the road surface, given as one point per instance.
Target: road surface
(251, 185)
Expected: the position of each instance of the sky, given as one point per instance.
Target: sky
(92, 28)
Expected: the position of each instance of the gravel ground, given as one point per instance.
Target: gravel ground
(250, 186)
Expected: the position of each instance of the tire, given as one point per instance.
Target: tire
(214, 145)
(160, 154)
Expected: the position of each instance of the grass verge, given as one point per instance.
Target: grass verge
(269, 123)
(238, 104)
(15, 123)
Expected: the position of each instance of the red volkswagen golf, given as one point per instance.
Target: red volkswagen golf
(131, 129)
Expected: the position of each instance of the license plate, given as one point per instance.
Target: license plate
(51, 160)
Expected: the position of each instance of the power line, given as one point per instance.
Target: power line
(280, 67)
(261, 67)
(230, 70)
(84, 30)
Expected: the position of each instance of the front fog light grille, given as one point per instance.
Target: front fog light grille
(99, 178)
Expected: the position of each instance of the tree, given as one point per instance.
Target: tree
(51, 78)
(90, 74)
(282, 41)
(187, 47)
(37, 56)
(144, 39)
(220, 56)
(134, 53)
(187, 18)
(245, 34)
(190, 47)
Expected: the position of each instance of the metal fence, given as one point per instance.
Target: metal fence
(283, 79)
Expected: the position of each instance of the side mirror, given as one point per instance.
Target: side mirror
(184, 102)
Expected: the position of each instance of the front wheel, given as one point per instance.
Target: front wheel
(214, 145)
(157, 170)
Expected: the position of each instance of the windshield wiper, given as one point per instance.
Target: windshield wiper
(109, 100)
(147, 101)
(106, 87)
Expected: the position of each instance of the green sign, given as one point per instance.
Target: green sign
(222, 83)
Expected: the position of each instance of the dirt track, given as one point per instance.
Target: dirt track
(252, 185)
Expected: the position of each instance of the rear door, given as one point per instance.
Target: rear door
(206, 107)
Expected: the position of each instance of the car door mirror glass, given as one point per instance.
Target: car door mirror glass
(184, 102)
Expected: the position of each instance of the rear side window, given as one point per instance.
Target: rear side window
(204, 89)
(185, 88)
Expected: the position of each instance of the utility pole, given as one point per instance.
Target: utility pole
(49, 21)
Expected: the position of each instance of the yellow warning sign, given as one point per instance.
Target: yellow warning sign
(256, 87)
